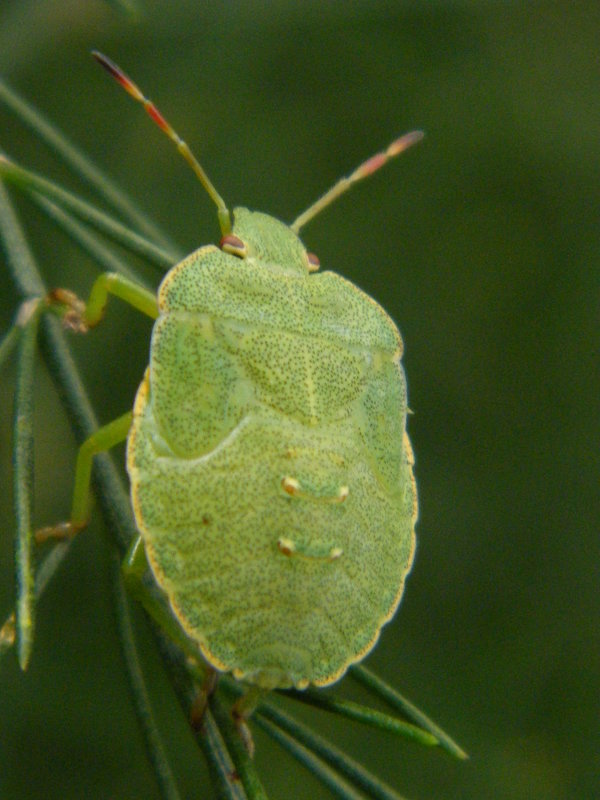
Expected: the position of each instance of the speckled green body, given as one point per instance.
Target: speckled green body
(270, 470)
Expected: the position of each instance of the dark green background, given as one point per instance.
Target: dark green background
(483, 243)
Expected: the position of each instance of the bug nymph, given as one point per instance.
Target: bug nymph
(271, 474)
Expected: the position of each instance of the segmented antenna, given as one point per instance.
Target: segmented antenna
(155, 115)
(367, 168)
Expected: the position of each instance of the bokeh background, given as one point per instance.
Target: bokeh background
(483, 243)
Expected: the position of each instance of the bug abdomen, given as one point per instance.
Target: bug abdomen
(281, 551)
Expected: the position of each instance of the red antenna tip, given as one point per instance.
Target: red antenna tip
(404, 142)
(118, 75)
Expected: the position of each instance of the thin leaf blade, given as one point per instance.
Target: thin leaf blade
(397, 701)
(366, 716)
(23, 480)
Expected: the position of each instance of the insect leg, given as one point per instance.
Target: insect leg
(242, 710)
(82, 316)
(103, 439)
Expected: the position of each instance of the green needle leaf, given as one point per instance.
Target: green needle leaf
(186, 676)
(47, 569)
(312, 762)
(335, 757)
(20, 262)
(29, 317)
(154, 746)
(397, 701)
(243, 762)
(18, 255)
(327, 751)
(114, 499)
(366, 715)
(7, 345)
(219, 760)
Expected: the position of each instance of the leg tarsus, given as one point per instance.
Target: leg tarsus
(70, 308)
(60, 531)
(203, 694)
(80, 316)
(8, 632)
(242, 710)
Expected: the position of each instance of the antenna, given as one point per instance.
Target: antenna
(367, 168)
(155, 115)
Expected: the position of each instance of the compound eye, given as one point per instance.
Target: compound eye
(313, 262)
(233, 245)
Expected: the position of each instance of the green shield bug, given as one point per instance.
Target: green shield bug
(271, 474)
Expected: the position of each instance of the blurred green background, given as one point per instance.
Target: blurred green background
(484, 245)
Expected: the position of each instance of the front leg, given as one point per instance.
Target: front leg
(80, 316)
